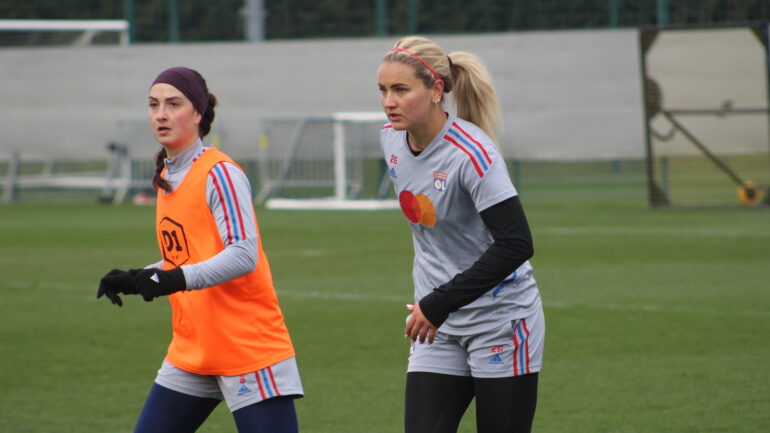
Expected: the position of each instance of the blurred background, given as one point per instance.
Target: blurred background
(668, 96)
(574, 80)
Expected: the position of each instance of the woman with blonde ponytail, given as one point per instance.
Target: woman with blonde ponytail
(477, 326)
(229, 341)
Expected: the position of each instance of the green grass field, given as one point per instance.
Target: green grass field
(657, 320)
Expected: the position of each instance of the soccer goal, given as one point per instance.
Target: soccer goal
(323, 162)
(707, 118)
(63, 32)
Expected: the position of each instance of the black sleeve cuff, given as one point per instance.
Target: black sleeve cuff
(434, 309)
(176, 278)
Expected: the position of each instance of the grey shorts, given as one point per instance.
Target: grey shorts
(280, 379)
(513, 349)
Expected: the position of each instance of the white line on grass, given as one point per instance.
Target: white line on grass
(341, 296)
(564, 305)
(46, 285)
(658, 309)
(652, 231)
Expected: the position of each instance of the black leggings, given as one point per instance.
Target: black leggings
(435, 403)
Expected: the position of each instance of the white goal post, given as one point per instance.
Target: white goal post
(87, 28)
(323, 162)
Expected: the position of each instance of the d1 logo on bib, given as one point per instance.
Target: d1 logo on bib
(174, 242)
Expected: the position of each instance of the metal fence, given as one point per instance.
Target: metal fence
(220, 20)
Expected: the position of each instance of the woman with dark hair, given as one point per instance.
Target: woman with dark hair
(230, 341)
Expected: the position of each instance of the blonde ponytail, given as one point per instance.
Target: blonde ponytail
(473, 92)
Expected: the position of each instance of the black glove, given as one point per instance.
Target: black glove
(151, 283)
(117, 281)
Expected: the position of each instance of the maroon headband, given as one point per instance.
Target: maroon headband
(189, 82)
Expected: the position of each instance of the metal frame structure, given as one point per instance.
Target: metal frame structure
(749, 193)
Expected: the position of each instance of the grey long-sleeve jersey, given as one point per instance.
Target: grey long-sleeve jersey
(234, 219)
(442, 192)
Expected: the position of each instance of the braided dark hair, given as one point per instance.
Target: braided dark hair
(157, 179)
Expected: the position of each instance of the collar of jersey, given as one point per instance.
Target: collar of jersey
(451, 118)
(183, 160)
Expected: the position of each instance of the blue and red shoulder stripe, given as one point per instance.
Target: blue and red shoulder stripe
(471, 147)
(231, 208)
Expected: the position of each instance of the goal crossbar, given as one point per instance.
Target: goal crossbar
(87, 26)
(341, 150)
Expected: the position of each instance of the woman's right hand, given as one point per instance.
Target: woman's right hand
(117, 281)
(418, 327)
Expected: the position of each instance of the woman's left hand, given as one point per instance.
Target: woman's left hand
(418, 327)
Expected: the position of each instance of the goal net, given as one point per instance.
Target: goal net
(323, 162)
(707, 124)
